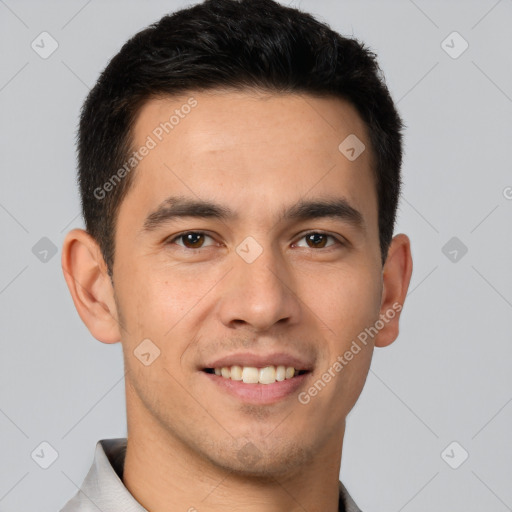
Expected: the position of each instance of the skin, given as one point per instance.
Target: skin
(255, 153)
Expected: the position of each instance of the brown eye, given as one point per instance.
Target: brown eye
(318, 240)
(191, 239)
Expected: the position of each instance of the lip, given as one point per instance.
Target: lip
(258, 394)
(261, 361)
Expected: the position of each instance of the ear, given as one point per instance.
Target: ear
(88, 281)
(396, 276)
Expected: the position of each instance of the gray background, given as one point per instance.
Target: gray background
(447, 377)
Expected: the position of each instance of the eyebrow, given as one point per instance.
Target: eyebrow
(180, 206)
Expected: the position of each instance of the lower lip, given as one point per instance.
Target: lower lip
(259, 393)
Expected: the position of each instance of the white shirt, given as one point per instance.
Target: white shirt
(103, 488)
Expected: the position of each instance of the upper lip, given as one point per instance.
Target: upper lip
(261, 360)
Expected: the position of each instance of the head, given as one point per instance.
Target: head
(239, 169)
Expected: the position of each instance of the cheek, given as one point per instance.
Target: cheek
(162, 305)
(154, 300)
(346, 301)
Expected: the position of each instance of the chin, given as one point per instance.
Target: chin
(269, 463)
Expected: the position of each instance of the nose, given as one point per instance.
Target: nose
(259, 294)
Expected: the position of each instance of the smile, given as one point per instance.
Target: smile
(261, 385)
(254, 375)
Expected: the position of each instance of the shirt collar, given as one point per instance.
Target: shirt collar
(103, 488)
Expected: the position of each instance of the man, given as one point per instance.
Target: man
(239, 168)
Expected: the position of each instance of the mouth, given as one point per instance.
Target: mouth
(253, 375)
(257, 385)
(258, 378)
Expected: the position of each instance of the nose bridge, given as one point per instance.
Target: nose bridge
(259, 292)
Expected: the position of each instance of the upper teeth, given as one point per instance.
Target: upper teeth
(253, 375)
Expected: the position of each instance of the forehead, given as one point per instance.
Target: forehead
(250, 150)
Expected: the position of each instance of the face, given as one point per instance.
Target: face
(250, 280)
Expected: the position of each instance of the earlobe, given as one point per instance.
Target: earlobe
(396, 278)
(86, 275)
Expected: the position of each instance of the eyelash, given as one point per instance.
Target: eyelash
(181, 235)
